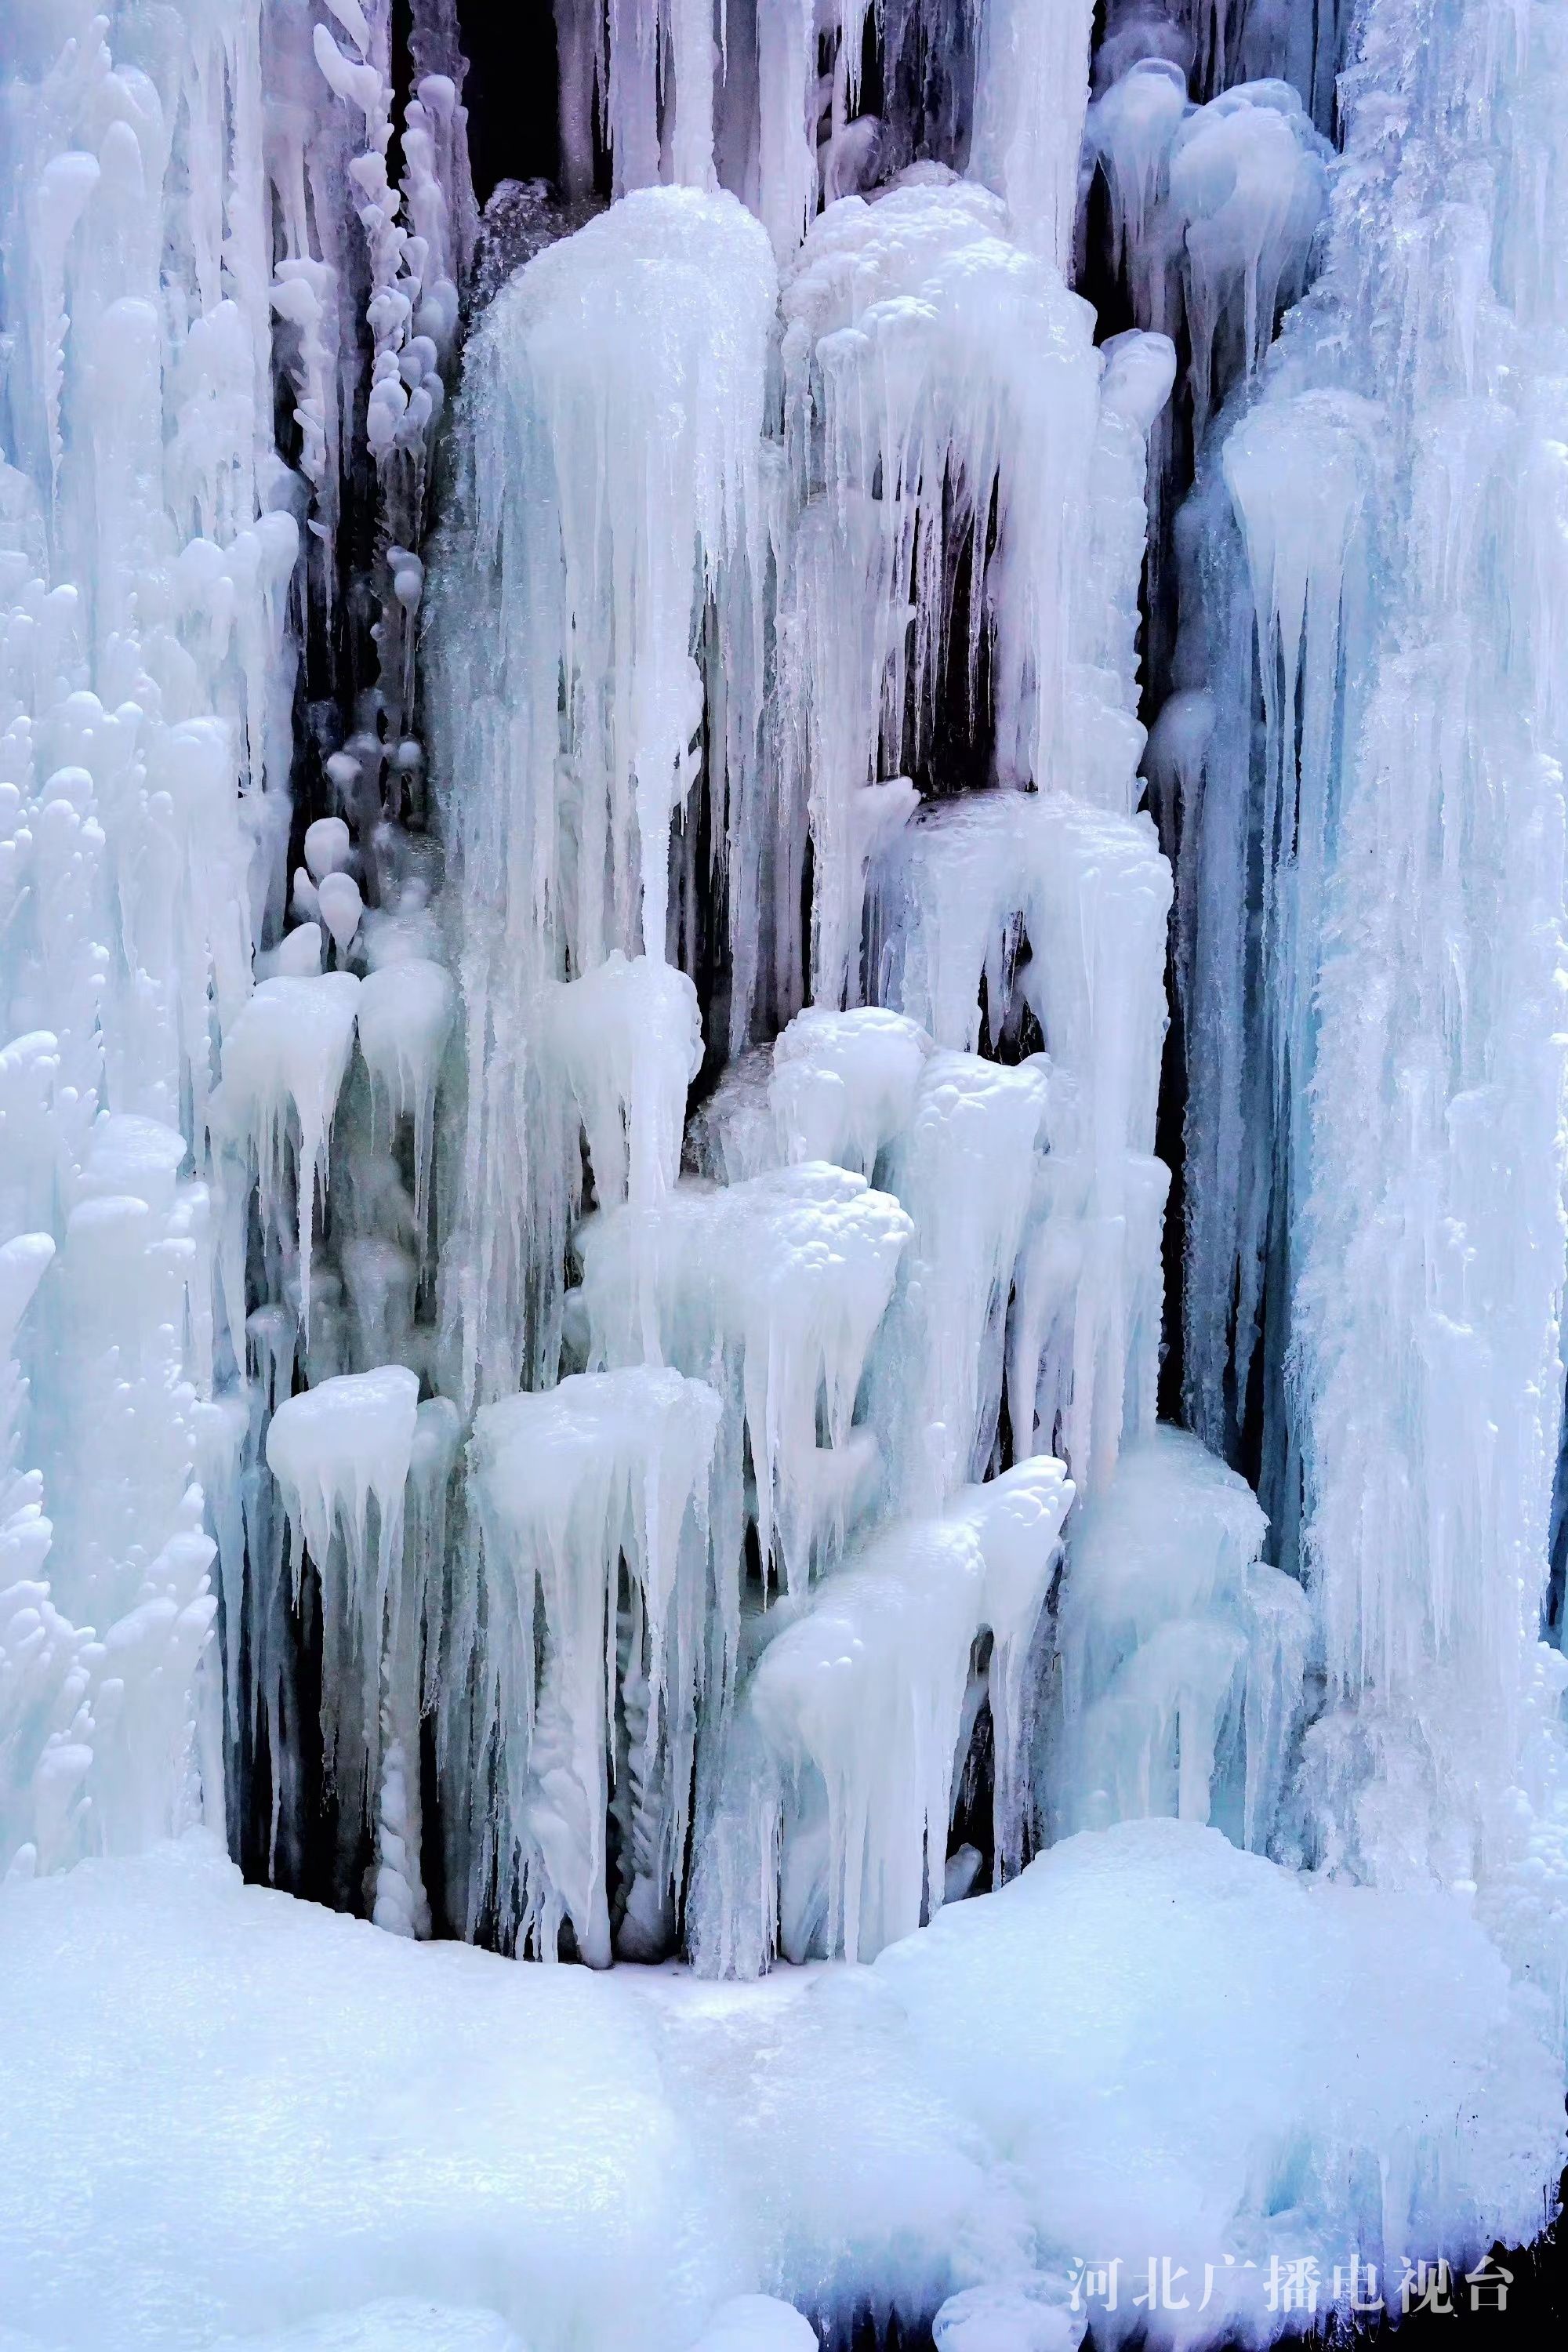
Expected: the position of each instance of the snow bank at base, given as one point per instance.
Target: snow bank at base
(228, 2118)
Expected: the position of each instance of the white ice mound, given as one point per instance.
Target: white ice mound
(757, 2322)
(390, 2323)
(1300, 2069)
(273, 2114)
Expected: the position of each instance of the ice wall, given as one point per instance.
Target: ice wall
(1433, 1228)
(199, 243)
(586, 1111)
(429, 1109)
(1362, 757)
(147, 661)
(673, 480)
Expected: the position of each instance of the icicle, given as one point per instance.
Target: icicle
(772, 1290)
(339, 1446)
(1212, 212)
(1248, 186)
(1031, 92)
(405, 1016)
(963, 1167)
(605, 1467)
(1089, 892)
(287, 1056)
(858, 1701)
(932, 368)
(629, 1043)
(658, 311)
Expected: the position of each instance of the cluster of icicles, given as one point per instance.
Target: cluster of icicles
(618, 1275)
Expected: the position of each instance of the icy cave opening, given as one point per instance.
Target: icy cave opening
(783, 1133)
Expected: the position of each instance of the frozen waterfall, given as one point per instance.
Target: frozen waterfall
(784, 1127)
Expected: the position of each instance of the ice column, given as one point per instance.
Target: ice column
(1032, 88)
(609, 499)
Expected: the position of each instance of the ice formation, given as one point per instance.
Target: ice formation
(781, 1155)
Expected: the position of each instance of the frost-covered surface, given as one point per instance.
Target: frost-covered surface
(242, 2114)
(589, 1111)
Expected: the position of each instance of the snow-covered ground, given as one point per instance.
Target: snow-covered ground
(228, 2117)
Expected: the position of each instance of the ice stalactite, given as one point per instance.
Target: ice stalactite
(588, 1072)
(340, 1447)
(851, 1725)
(180, 245)
(1088, 892)
(946, 511)
(566, 1485)
(772, 1288)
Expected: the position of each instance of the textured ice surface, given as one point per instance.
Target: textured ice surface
(245, 2114)
(582, 1302)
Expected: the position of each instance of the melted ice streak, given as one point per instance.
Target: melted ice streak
(605, 1468)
